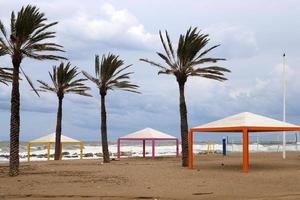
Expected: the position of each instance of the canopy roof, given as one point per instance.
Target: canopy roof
(51, 139)
(247, 120)
(148, 133)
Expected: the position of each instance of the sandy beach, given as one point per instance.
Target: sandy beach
(214, 177)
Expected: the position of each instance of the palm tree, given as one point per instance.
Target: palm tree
(64, 81)
(5, 75)
(29, 37)
(110, 75)
(185, 63)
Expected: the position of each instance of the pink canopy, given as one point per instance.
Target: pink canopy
(148, 134)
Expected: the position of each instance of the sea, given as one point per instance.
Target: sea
(93, 149)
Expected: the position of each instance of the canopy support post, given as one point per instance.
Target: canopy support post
(118, 149)
(177, 147)
(48, 151)
(153, 149)
(144, 148)
(81, 150)
(28, 152)
(191, 149)
(245, 150)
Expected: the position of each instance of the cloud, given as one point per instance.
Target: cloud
(109, 27)
(29, 101)
(236, 42)
(264, 96)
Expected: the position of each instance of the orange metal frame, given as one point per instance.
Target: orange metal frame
(245, 130)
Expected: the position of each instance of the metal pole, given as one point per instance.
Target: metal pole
(227, 139)
(284, 109)
(224, 146)
(144, 148)
(81, 150)
(153, 149)
(177, 147)
(296, 141)
(245, 150)
(257, 142)
(28, 151)
(118, 149)
(48, 151)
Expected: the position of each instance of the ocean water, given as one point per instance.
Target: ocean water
(93, 150)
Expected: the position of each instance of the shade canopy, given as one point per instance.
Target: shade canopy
(51, 138)
(252, 122)
(148, 133)
(243, 122)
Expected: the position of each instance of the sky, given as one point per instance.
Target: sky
(253, 37)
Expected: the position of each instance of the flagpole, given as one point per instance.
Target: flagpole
(284, 109)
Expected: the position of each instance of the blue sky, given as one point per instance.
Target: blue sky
(253, 36)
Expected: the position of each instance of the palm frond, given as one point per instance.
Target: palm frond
(217, 68)
(91, 78)
(42, 57)
(206, 60)
(153, 63)
(167, 71)
(170, 46)
(213, 77)
(64, 80)
(30, 82)
(5, 75)
(165, 59)
(46, 87)
(28, 30)
(190, 54)
(111, 75)
(207, 51)
(2, 29)
(165, 45)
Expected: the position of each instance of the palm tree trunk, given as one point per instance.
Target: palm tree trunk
(104, 130)
(15, 121)
(184, 126)
(58, 129)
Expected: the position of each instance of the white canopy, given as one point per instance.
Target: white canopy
(246, 119)
(51, 139)
(148, 133)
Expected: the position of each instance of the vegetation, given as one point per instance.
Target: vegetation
(64, 81)
(110, 75)
(29, 37)
(5, 75)
(183, 63)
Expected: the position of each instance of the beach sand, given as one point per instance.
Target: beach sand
(270, 177)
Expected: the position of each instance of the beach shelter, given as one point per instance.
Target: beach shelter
(50, 139)
(245, 123)
(147, 134)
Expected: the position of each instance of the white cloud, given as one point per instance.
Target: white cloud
(271, 83)
(236, 42)
(108, 26)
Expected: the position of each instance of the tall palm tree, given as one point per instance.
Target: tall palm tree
(110, 75)
(29, 37)
(5, 75)
(64, 81)
(183, 63)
